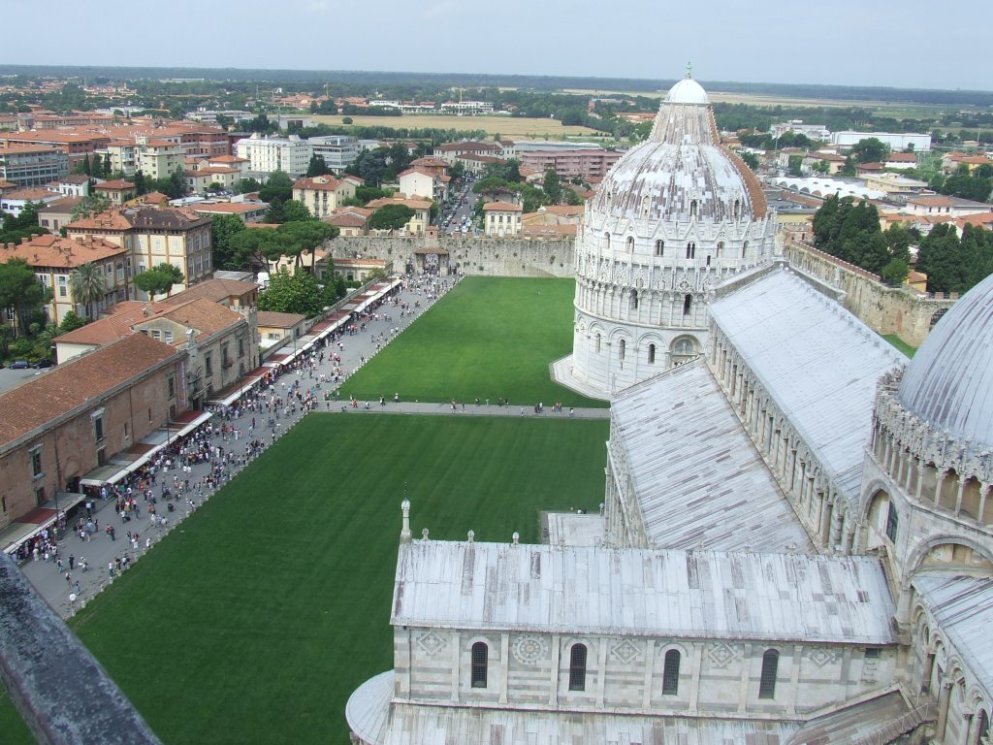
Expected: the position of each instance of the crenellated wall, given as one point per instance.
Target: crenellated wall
(888, 310)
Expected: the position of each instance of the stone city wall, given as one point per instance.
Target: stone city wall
(888, 310)
(501, 257)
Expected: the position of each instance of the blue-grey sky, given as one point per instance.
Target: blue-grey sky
(907, 44)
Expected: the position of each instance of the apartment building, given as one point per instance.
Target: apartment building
(267, 154)
(32, 165)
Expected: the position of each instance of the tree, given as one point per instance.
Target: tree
(87, 286)
(552, 187)
(317, 166)
(292, 293)
(71, 322)
(158, 280)
(751, 160)
(247, 186)
(795, 165)
(222, 229)
(21, 294)
(390, 217)
(91, 205)
(254, 248)
(278, 186)
(870, 150)
(294, 211)
(303, 236)
(365, 194)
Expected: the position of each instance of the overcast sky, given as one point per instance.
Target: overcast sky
(906, 44)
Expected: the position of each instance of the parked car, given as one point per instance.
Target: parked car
(42, 363)
(19, 365)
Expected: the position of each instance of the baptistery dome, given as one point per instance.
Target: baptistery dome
(681, 172)
(677, 215)
(949, 383)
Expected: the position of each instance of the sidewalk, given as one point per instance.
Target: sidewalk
(100, 549)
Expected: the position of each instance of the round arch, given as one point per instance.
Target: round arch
(916, 559)
(683, 349)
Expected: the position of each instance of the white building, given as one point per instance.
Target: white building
(673, 218)
(338, 151)
(893, 140)
(267, 154)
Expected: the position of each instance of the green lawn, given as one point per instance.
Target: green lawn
(257, 617)
(900, 344)
(488, 338)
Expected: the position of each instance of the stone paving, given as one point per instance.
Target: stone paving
(64, 597)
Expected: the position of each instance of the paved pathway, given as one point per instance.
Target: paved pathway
(100, 549)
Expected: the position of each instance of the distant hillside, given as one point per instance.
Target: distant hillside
(536, 82)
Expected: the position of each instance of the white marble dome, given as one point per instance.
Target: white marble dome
(688, 90)
(680, 173)
(949, 383)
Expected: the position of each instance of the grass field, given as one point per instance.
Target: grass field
(507, 126)
(255, 619)
(900, 344)
(488, 338)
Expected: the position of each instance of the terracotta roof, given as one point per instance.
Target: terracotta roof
(117, 184)
(502, 207)
(58, 252)
(279, 320)
(901, 158)
(111, 327)
(109, 220)
(15, 149)
(205, 316)
(227, 159)
(563, 210)
(317, 183)
(428, 162)
(77, 384)
(937, 201)
(214, 290)
(414, 204)
(349, 218)
(32, 195)
(66, 204)
(981, 220)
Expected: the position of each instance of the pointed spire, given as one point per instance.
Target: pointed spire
(689, 70)
(405, 531)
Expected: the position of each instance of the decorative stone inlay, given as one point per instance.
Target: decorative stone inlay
(821, 656)
(626, 651)
(430, 642)
(721, 654)
(529, 649)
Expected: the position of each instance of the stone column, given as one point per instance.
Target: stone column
(944, 698)
(553, 688)
(504, 665)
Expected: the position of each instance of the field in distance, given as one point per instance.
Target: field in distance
(506, 126)
(489, 338)
(256, 618)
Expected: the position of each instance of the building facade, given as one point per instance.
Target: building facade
(322, 195)
(267, 154)
(32, 165)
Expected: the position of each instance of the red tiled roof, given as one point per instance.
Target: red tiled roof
(55, 251)
(76, 384)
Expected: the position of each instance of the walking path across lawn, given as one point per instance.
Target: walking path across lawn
(100, 549)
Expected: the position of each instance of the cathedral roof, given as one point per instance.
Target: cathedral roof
(949, 383)
(817, 361)
(641, 592)
(689, 458)
(681, 172)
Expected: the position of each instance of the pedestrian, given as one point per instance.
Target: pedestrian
(72, 562)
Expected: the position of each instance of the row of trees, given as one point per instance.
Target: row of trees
(954, 264)
(850, 231)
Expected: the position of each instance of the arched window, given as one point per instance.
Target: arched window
(577, 667)
(630, 244)
(737, 209)
(480, 658)
(621, 349)
(651, 354)
(682, 350)
(659, 248)
(708, 259)
(770, 668)
(598, 343)
(892, 521)
(687, 305)
(744, 250)
(606, 241)
(693, 208)
(720, 249)
(983, 730)
(634, 300)
(670, 673)
(690, 250)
